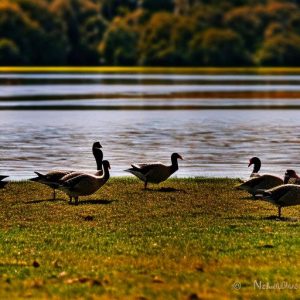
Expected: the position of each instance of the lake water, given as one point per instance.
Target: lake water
(216, 122)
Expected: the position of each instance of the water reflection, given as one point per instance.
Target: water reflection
(42, 134)
(213, 143)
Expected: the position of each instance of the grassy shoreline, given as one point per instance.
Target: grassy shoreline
(185, 239)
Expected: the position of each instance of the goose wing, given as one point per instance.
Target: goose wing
(52, 176)
(70, 176)
(56, 175)
(84, 184)
(268, 181)
(2, 177)
(146, 167)
(76, 180)
(250, 184)
(283, 195)
(263, 182)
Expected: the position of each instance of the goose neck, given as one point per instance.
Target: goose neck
(256, 167)
(174, 166)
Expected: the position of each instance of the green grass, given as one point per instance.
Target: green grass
(185, 239)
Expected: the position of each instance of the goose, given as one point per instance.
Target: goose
(264, 182)
(85, 184)
(154, 172)
(3, 183)
(282, 196)
(255, 161)
(52, 178)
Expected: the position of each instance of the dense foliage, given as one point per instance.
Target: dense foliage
(150, 32)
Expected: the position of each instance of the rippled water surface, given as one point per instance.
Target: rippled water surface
(166, 115)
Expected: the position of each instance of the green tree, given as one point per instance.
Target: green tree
(220, 47)
(164, 40)
(248, 22)
(16, 26)
(50, 47)
(157, 5)
(281, 11)
(112, 8)
(206, 16)
(119, 45)
(280, 50)
(196, 51)
(9, 53)
(84, 28)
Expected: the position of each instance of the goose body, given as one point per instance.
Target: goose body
(85, 184)
(262, 182)
(53, 178)
(282, 196)
(155, 172)
(3, 183)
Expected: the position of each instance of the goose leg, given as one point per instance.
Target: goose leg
(70, 199)
(76, 200)
(145, 186)
(54, 194)
(279, 212)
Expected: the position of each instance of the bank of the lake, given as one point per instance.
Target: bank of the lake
(185, 239)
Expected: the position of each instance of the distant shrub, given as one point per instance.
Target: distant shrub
(9, 53)
(280, 50)
(157, 5)
(119, 45)
(112, 8)
(221, 47)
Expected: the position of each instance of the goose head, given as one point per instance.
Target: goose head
(290, 174)
(175, 157)
(97, 145)
(106, 165)
(256, 162)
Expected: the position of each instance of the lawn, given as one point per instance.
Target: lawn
(185, 239)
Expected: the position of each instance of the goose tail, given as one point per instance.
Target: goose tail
(239, 186)
(38, 178)
(136, 172)
(3, 177)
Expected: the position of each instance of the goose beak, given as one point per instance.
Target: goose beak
(250, 163)
(179, 156)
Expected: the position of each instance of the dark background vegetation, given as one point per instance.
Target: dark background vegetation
(150, 32)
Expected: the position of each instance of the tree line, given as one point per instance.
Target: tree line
(150, 32)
